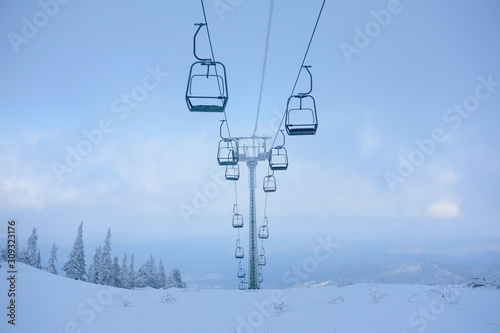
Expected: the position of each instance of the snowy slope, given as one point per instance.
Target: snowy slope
(49, 303)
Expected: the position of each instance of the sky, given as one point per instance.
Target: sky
(94, 125)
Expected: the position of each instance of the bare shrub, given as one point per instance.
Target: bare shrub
(337, 300)
(375, 295)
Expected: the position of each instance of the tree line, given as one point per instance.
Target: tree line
(104, 269)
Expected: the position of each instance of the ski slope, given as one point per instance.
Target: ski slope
(55, 304)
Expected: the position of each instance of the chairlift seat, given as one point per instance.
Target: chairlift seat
(278, 158)
(262, 260)
(237, 221)
(269, 184)
(242, 285)
(232, 172)
(264, 232)
(227, 153)
(239, 253)
(203, 87)
(241, 273)
(301, 120)
(206, 108)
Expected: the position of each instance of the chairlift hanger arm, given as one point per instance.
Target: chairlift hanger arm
(199, 25)
(311, 81)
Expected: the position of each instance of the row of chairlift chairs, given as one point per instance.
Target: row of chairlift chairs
(207, 92)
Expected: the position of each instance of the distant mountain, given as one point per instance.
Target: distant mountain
(421, 271)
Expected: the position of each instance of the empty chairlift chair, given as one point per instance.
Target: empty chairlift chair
(278, 157)
(232, 172)
(227, 153)
(269, 183)
(262, 258)
(241, 271)
(261, 276)
(237, 218)
(238, 252)
(243, 285)
(301, 116)
(264, 230)
(207, 84)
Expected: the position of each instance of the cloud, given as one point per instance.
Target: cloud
(444, 209)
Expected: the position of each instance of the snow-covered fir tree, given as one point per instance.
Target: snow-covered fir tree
(116, 280)
(106, 262)
(124, 274)
(162, 277)
(131, 273)
(75, 267)
(31, 255)
(38, 260)
(90, 274)
(147, 275)
(96, 272)
(175, 279)
(51, 268)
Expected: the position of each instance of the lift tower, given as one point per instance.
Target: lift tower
(251, 151)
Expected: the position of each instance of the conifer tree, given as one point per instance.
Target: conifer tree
(90, 274)
(115, 274)
(106, 263)
(51, 268)
(131, 273)
(38, 260)
(124, 273)
(96, 267)
(30, 256)
(162, 277)
(75, 266)
(175, 278)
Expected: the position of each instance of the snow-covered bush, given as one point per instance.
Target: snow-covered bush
(375, 296)
(337, 300)
(167, 298)
(446, 294)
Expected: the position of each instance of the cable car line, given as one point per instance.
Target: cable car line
(213, 59)
(264, 63)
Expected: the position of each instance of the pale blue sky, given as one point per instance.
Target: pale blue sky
(70, 76)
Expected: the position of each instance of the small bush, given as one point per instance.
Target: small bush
(375, 296)
(337, 300)
(167, 298)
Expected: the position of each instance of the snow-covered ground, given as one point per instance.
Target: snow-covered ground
(55, 304)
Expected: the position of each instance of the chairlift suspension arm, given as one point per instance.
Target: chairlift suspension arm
(311, 85)
(199, 25)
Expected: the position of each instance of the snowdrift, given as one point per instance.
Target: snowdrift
(55, 304)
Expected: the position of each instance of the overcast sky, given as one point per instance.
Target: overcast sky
(94, 126)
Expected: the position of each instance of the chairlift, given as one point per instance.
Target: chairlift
(232, 172)
(278, 157)
(207, 84)
(264, 230)
(241, 271)
(262, 258)
(269, 183)
(237, 218)
(261, 276)
(301, 116)
(227, 154)
(239, 253)
(243, 285)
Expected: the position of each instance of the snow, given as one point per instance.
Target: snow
(50, 303)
